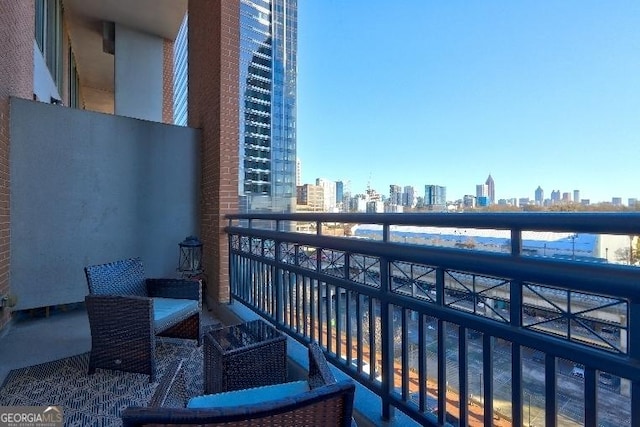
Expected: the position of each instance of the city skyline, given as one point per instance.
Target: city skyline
(547, 193)
(445, 94)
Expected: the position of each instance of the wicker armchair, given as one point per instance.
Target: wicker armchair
(126, 311)
(326, 403)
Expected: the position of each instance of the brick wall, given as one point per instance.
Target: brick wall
(16, 79)
(167, 82)
(214, 42)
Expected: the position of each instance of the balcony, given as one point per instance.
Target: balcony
(461, 331)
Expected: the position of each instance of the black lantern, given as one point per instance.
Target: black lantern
(190, 262)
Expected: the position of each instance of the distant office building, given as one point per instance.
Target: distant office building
(616, 201)
(435, 197)
(539, 196)
(576, 196)
(395, 195)
(408, 196)
(375, 207)
(469, 201)
(555, 196)
(633, 202)
(311, 196)
(566, 197)
(339, 192)
(390, 208)
(524, 201)
(491, 190)
(482, 190)
(329, 188)
(482, 201)
(585, 202)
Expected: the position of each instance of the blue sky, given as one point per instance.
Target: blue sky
(415, 92)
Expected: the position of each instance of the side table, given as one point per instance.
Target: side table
(247, 355)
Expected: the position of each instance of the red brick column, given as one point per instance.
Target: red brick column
(214, 42)
(16, 79)
(167, 82)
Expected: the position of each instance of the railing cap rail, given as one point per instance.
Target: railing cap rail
(585, 222)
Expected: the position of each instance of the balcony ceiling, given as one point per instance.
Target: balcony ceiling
(84, 20)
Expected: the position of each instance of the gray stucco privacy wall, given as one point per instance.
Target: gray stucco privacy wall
(89, 188)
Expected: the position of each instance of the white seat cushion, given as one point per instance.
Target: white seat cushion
(168, 311)
(249, 396)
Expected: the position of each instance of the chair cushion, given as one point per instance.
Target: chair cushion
(169, 311)
(249, 396)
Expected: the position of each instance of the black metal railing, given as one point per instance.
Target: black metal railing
(453, 334)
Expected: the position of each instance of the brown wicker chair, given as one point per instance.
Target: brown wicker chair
(126, 311)
(327, 403)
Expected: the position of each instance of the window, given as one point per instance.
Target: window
(48, 35)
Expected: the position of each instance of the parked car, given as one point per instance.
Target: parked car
(578, 371)
(605, 379)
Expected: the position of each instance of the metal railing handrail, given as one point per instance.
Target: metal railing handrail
(581, 222)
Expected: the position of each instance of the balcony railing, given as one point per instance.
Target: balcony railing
(472, 334)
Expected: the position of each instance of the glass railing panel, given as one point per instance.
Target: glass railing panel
(415, 280)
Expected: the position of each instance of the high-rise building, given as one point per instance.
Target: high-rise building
(539, 196)
(576, 196)
(180, 73)
(329, 188)
(566, 197)
(555, 196)
(633, 202)
(395, 195)
(311, 196)
(267, 79)
(482, 190)
(339, 192)
(491, 190)
(616, 201)
(268, 173)
(435, 197)
(469, 201)
(408, 196)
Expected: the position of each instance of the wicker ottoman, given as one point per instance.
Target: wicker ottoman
(251, 354)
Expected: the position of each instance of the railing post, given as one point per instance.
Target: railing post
(277, 281)
(387, 333)
(516, 241)
(633, 348)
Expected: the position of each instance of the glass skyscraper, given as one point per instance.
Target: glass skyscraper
(268, 74)
(180, 75)
(267, 102)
